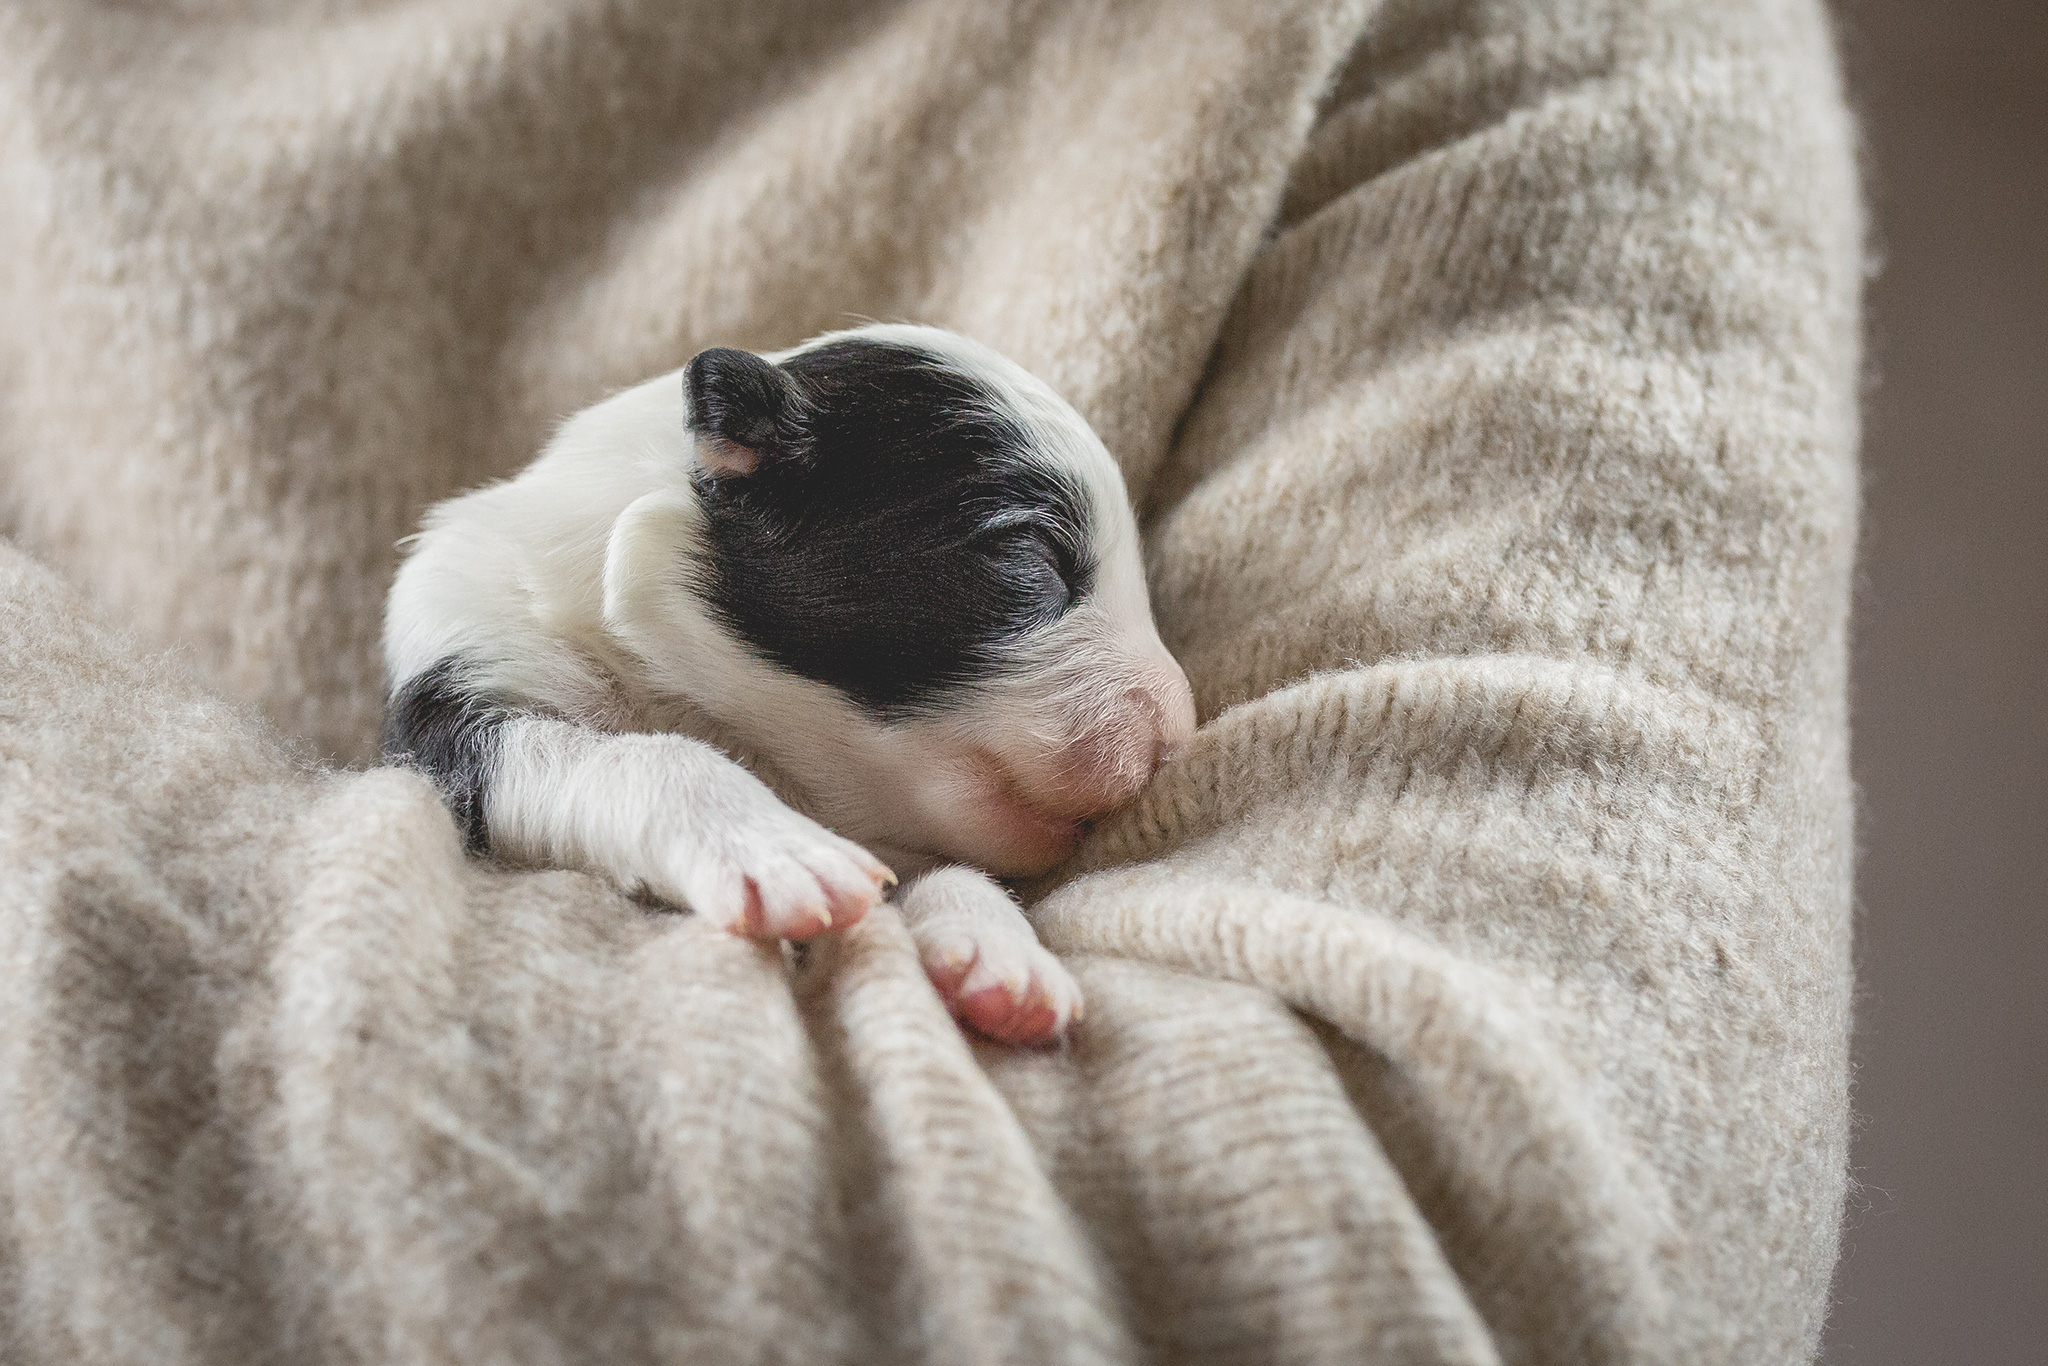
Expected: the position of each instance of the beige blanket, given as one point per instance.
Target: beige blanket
(1475, 989)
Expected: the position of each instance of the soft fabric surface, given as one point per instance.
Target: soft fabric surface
(1476, 988)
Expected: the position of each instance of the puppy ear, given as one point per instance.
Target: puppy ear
(744, 412)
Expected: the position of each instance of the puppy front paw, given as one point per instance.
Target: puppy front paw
(985, 960)
(770, 873)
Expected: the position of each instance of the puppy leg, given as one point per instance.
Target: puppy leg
(676, 817)
(985, 959)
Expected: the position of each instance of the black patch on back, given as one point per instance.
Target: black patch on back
(440, 727)
(895, 536)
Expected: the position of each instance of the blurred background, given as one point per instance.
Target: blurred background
(1946, 1253)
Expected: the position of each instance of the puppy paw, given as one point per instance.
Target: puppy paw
(985, 960)
(1012, 993)
(770, 873)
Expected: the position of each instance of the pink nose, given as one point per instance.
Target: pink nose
(1109, 764)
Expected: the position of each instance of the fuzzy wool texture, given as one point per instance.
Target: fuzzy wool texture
(1475, 987)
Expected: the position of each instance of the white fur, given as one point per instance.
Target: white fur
(671, 815)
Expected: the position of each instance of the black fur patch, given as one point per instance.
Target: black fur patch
(895, 536)
(440, 727)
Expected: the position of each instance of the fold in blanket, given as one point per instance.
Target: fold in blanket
(1475, 988)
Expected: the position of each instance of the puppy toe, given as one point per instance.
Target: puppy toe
(719, 893)
(850, 891)
(793, 905)
(947, 960)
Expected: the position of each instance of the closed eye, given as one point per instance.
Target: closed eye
(1041, 572)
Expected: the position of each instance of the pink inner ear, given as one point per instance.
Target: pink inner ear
(728, 459)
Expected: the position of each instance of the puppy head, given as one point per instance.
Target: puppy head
(934, 560)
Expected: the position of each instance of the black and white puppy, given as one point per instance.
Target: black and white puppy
(886, 584)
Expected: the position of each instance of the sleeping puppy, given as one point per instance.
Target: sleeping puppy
(745, 636)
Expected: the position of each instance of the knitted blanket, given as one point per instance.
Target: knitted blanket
(1475, 988)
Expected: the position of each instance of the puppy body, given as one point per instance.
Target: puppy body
(743, 624)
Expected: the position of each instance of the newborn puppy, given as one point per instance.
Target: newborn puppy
(886, 584)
